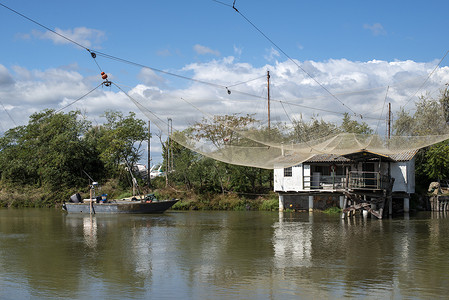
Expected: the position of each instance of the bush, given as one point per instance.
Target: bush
(270, 204)
(332, 210)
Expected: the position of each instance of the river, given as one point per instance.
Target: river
(46, 253)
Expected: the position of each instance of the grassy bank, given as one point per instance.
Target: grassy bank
(29, 196)
(227, 201)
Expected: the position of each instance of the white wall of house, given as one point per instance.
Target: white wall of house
(404, 175)
(289, 184)
(403, 172)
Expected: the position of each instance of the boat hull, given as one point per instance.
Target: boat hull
(130, 207)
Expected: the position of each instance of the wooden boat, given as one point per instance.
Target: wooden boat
(132, 206)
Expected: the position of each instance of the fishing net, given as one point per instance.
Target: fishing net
(231, 136)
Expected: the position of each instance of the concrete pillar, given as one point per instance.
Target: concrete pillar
(390, 205)
(310, 203)
(281, 202)
(342, 201)
(365, 214)
(406, 205)
(345, 202)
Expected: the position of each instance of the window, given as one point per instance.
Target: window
(288, 172)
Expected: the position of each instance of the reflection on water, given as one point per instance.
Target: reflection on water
(48, 254)
(90, 231)
(292, 242)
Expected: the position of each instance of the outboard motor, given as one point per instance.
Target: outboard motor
(75, 198)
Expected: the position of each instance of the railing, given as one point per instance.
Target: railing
(367, 180)
(325, 182)
(354, 180)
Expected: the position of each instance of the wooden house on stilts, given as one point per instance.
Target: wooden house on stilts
(361, 181)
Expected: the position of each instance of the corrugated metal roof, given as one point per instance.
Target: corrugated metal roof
(327, 158)
(404, 156)
(330, 158)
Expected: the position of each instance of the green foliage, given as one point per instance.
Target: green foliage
(222, 129)
(305, 131)
(428, 118)
(55, 149)
(119, 140)
(437, 165)
(432, 163)
(270, 205)
(318, 128)
(48, 151)
(353, 126)
(332, 210)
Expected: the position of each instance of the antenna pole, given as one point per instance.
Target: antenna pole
(389, 120)
(168, 157)
(268, 97)
(149, 155)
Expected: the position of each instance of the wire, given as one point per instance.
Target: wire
(8, 114)
(246, 81)
(286, 55)
(94, 54)
(78, 98)
(382, 112)
(140, 106)
(43, 26)
(428, 77)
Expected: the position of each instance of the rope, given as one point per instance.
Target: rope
(8, 114)
(428, 77)
(78, 98)
(286, 55)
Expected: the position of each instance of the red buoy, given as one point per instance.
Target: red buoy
(104, 75)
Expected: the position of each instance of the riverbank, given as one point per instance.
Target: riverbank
(29, 196)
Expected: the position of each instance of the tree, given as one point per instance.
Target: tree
(437, 164)
(119, 140)
(432, 163)
(353, 126)
(208, 175)
(315, 129)
(221, 129)
(428, 119)
(48, 151)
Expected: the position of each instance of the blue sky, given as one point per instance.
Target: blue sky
(346, 46)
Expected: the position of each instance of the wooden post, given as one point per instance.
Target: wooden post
(268, 88)
(91, 200)
(149, 157)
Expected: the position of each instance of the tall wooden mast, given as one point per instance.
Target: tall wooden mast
(268, 97)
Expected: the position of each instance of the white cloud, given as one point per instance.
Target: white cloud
(272, 55)
(5, 77)
(376, 29)
(361, 86)
(163, 53)
(203, 50)
(149, 77)
(238, 50)
(87, 37)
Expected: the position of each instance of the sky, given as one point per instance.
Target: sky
(325, 58)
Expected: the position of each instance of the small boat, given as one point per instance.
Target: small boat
(132, 206)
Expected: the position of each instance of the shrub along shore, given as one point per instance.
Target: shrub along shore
(40, 197)
(25, 197)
